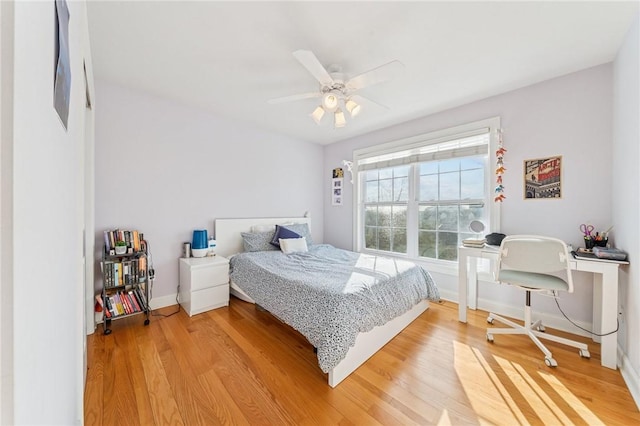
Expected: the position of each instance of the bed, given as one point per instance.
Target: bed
(348, 305)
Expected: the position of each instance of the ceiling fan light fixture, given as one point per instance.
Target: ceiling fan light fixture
(330, 101)
(317, 114)
(339, 120)
(353, 107)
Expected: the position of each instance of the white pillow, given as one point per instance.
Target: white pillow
(292, 245)
(262, 228)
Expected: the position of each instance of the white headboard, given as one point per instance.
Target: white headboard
(227, 231)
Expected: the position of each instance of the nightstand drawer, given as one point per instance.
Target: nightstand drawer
(209, 298)
(205, 276)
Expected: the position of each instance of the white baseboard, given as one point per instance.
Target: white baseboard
(517, 312)
(161, 302)
(630, 376)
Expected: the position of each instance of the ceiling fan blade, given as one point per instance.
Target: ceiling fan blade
(366, 102)
(294, 98)
(313, 65)
(377, 75)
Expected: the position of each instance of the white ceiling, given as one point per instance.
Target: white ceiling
(231, 57)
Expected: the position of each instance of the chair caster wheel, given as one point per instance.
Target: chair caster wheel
(584, 353)
(550, 362)
(489, 338)
(107, 332)
(541, 328)
(146, 322)
(490, 320)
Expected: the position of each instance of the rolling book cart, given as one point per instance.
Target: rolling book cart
(125, 277)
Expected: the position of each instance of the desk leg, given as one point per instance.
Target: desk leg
(463, 284)
(472, 276)
(605, 307)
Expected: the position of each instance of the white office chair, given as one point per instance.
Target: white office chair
(534, 263)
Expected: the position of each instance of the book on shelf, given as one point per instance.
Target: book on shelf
(130, 237)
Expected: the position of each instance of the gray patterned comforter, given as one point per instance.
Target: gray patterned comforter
(329, 294)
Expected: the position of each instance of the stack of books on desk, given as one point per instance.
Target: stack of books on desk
(474, 243)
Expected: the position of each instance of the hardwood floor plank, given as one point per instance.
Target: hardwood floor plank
(163, 404)
(93, 393)
(237, 365)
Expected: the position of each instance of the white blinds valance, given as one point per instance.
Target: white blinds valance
(475, 142)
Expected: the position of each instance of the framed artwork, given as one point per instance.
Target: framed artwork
(543, 178)
(336, 187)
(336, 191)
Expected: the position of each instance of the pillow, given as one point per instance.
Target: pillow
(262, 228)
(303, 230)
(283, 233)
(257, 241)
(293, 245)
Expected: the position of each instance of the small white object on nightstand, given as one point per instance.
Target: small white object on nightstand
(204, 284)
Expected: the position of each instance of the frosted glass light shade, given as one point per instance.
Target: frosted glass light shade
(330, 101)
(317, 114)
(353, 107)
(339, 120)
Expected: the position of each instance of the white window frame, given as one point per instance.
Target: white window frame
(493, 208)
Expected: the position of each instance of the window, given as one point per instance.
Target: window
(417, 197)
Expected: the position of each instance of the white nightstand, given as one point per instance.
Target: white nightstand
(204, 283)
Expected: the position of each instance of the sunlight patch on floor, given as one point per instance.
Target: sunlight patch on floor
(487, 390)
(542, 404)
(572, 400)
(476, 382)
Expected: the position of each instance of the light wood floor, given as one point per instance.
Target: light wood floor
(238, 365)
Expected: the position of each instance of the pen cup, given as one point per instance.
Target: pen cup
(602, 242)
(589, 242)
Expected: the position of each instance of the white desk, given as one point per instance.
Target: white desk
(605, 303)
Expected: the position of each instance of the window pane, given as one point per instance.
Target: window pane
(401, 171)
(400, 189)
(371, 237)
(427, 244)
(448, 218)
(370, 216)
(469, 163)
(469, 214)
(450, 186)
(429, 168)
(386, 173)
(428, 217)
(384, 216)
(400, 240)
(371, 192)
(452, 165)
(448, 245)
(386, 190)
(384, 239)
(399, 218)
(429, 188)
(371, 175)
(472, 184)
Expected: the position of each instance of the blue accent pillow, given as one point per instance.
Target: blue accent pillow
(284, 233)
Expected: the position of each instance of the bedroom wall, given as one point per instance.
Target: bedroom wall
(179, 168)
(568, 116)
(42, 217)
(626, 199)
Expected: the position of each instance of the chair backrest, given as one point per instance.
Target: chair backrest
(535, 253)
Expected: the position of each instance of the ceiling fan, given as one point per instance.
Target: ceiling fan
(336, 91)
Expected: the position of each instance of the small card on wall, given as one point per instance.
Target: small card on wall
(336, 187)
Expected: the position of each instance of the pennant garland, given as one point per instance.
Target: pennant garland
(499, 190)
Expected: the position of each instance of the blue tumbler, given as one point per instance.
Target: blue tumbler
(200, 239)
